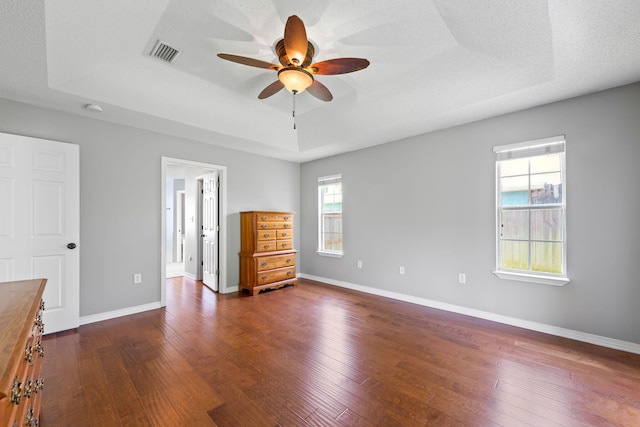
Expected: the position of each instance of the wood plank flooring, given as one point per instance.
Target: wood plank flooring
(317, 355)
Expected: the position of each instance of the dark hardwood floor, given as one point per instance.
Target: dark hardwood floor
(324, 356)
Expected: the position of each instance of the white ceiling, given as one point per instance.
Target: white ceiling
(434, 64)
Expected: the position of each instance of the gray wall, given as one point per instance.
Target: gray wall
(428, 203)
(120, 198)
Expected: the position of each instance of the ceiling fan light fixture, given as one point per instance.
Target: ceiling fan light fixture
(296, 80)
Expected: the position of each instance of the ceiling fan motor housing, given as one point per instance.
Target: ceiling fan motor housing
(284, 59)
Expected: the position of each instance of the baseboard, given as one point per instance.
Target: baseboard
(526, 324)
(85, 320)
(230, 290)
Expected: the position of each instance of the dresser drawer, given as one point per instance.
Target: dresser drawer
(267, 235)
(278, 275)
(271, 262)
(266, 246)
(265, 216)
(284, 245)
(270, 225)
(284, 234)
(274, 225)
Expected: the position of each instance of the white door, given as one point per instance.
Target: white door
(210, 230)
(39, 222)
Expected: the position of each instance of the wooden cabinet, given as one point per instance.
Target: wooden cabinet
(267, 256)
(21, 352)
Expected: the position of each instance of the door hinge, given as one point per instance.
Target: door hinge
(217, 272)
(217, 228)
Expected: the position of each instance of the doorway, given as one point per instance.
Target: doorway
(182, 219)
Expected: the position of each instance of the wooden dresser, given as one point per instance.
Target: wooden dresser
(267, 257)
(21, 352)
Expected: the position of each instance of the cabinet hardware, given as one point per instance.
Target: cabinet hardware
(28, 387)
(28, 353)
(29, 419)
(16, 393)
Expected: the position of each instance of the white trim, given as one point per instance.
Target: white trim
(85, 320)
(532, 278)
(552, 140)
(330, 254)
(223, 287)
(520, 323)
(527, 275)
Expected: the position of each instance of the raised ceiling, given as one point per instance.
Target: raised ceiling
(434, 64)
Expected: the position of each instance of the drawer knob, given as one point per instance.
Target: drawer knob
(284, 234)
(29, 418)
(288, 260)
(263, 225)
(39, 384)
(28, 387)
(39, 323)
(266, 234)
(284, 245)
(40, 348)
(28, 353)
(263, 217)
(267, 246)
(264, 264)
(264, 277)
(16, 393)
(286, 226)
(288, 273)
(286, 218)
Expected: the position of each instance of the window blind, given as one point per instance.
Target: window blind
(537, 147)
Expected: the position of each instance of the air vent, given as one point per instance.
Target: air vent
(164, 52)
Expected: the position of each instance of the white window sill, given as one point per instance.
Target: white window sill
(532, 278)
(330, 254)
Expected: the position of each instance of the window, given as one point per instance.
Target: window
(530, 214)
(330, 215)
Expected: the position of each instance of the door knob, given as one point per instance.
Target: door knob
(71, 246)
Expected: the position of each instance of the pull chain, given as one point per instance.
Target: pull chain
(294, 109)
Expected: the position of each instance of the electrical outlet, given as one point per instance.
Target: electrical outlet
(137, 278)
(462, 278)
(401, 270)
(359, 264)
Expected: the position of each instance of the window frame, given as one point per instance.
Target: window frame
(321, 250)
(528, 150)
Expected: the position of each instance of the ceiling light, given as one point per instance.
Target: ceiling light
(94, 108)
(295, 79)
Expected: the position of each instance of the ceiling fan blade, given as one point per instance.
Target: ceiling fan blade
(295, 40)
(272, 89)
(339, 66)
(249, 61)
(320, 91)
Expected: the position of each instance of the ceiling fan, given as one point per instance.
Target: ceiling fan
(295, 71)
